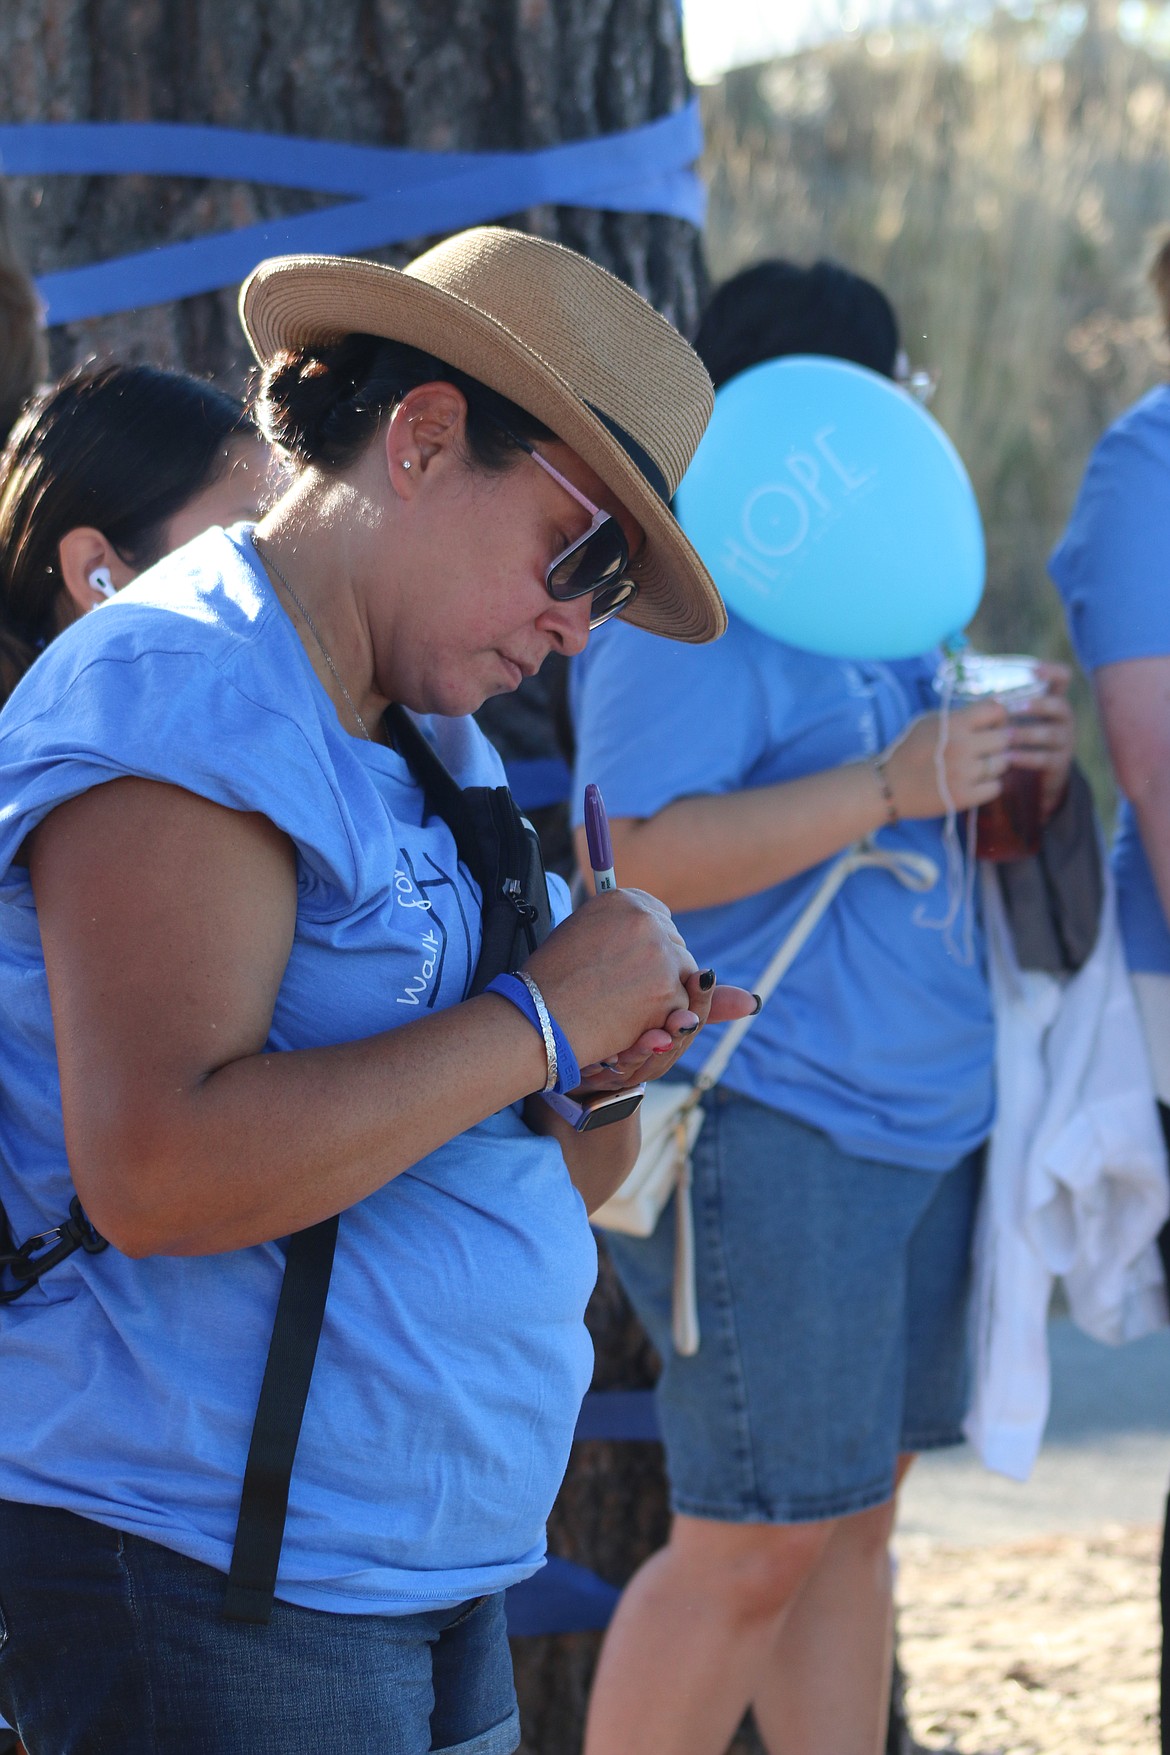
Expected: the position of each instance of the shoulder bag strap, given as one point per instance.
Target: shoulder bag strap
(304, 1291)
(441, 790)
(913, 870)
(276, 1429)
(300, 1311)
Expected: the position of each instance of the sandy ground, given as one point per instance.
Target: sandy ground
(1041, 1647)
(1028, 1614)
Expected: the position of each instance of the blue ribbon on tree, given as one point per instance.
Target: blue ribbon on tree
(394, 194)
(564, 1597)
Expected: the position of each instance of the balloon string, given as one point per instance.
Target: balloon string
(960, 871)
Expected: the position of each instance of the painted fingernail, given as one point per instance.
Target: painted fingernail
(706, 980)
(758, 1007)
(688, 1030)
(662, 1050)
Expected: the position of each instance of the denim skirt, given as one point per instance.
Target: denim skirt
(111, 1645)
(832, 1295)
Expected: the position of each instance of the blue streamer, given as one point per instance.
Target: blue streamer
(560, 1598)
(178, 149)
(535, 782)
(565, 1597)
(623, 1414)
(405, 194)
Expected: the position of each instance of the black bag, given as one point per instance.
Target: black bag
(502, 852)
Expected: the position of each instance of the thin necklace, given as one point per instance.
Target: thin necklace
(312, 627)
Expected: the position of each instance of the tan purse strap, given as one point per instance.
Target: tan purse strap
(913, 870)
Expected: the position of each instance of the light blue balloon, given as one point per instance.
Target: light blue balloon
(833, 513)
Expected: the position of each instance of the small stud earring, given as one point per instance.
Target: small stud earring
(406, 463)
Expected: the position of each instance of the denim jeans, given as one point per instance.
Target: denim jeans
(109, 1643)
(832, 1294)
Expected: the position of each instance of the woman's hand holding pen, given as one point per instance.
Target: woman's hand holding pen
(625, 989)
(669, 998)
(656, 1052)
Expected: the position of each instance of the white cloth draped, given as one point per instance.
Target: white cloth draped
(1076, 1183)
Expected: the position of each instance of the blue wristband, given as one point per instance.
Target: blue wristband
(512, 988)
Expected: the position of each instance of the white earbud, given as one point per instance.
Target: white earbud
(100, 581)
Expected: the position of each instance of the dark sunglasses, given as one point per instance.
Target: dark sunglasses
(594, 565)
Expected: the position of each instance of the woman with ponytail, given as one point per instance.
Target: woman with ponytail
(104, 474)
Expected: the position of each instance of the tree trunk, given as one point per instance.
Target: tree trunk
(457, 75)
(444, 75)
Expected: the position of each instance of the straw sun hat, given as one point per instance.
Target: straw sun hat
(556, 334)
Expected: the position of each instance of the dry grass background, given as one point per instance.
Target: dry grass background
(1006, 188)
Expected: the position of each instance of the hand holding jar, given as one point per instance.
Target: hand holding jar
(1040, 745)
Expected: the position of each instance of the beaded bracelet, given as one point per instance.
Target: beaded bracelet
(521, 990)
(878, 764)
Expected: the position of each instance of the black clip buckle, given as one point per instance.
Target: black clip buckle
(40, 1253)
(513, 891)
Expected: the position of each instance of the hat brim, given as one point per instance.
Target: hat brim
(300, 301)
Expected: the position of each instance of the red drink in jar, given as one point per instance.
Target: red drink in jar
(1009, 827)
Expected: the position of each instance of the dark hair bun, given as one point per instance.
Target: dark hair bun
(323, 404)
(306, 394)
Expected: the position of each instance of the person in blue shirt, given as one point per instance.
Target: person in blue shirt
(237, 938)
(1112, 569)
(836, 1174)
(106, 472)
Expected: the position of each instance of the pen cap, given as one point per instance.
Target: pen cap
(597, 831)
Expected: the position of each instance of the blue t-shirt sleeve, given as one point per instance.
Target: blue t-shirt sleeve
(657, 720)
(1112, 566)
(169, 716)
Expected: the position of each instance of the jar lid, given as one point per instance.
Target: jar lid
(1010, 678)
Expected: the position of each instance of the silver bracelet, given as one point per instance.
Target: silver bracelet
(546, 1029)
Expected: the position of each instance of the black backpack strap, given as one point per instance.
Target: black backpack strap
(499, 848)
(24, 1264)
(280, 1411)
(442, 792)
(503, 855)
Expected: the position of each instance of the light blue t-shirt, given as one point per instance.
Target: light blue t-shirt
(877, 1035)
(454, 1355)
(1112, 568)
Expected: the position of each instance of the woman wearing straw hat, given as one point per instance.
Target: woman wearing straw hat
(237, 865)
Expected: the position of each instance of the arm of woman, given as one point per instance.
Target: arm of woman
(700, 852)
(166, 923)
(1133, 698)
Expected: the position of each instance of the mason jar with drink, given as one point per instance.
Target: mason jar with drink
(1009, 827)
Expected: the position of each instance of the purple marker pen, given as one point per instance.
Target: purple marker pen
(600, 845)
(602, 1107)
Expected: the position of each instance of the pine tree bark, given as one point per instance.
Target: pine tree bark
(452, 75)
(456, 75)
